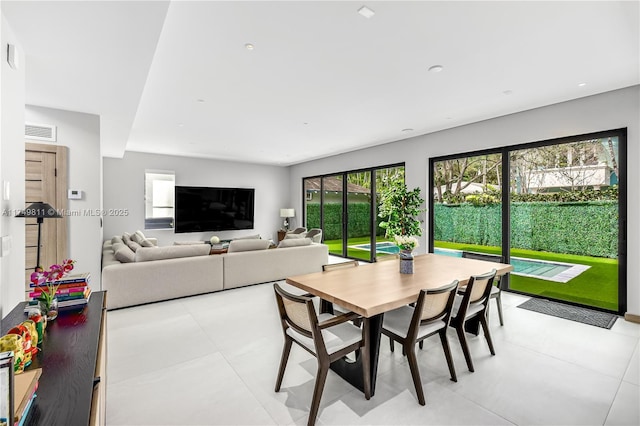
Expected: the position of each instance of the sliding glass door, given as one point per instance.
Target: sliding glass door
(553, 209)
(344, 205)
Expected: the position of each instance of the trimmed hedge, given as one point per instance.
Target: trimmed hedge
(583, 228)
(359, 220)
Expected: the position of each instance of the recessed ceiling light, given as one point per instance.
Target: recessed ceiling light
(508, 92)
(436, 68)
(366, 12)
(200, 101)
(248, 46)
(582, 84)
(407, 130)
(180, 124)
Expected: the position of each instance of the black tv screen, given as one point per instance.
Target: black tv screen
(200, 209)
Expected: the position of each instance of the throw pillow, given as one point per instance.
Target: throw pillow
(126, 237)
(294, 242)
(145, 242)
(293, 236)
(115, 247)
(136, 237)
(140, 234)
(248, 245)
(133, 245)
(116, 239)
(125, 254)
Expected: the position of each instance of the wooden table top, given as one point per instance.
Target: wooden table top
(374, 288)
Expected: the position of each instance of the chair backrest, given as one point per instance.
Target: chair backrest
(296, 312)
(477, 292)
(298, 230)
(341, 265)
(436, 304)
(315, 234)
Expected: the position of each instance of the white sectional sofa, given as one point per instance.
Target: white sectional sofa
(162, 273)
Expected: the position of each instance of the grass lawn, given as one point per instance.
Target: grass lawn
(597, 286)
(335, 247)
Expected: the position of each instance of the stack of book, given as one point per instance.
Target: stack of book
(73, 290)
(24, 393)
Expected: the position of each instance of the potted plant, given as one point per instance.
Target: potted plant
(399, 209)
(45, 282)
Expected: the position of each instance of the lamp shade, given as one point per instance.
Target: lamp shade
(39, 210)
(287, 212)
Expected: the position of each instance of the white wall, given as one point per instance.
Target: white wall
(612, 110)
(81, 134)
(124, 188)
(12, 95)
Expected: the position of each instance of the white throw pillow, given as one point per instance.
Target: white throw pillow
(248, 245)
(125, 254)
(294, 242)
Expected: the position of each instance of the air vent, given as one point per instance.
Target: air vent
(40, 132)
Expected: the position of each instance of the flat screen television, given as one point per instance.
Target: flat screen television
(200, 209)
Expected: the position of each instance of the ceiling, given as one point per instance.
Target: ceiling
(177, 77)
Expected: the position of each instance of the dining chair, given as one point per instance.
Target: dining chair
(325, 336)
(496, 290)
(325, 305)
(409, 325)
(473, 304)
(299, 230)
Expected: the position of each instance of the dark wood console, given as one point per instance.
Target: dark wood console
(72, 387)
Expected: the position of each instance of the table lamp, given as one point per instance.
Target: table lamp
(286, 214)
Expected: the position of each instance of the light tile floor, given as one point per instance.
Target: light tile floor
(213, 359)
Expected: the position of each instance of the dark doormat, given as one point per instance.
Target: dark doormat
(573, 313)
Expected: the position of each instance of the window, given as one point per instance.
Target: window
(158, 199)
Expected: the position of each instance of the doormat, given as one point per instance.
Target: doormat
(573, 313)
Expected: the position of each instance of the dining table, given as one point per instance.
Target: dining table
(371, 289)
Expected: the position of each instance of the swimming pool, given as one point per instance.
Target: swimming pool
(551, 271)
(544, 270)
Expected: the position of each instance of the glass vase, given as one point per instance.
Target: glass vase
(49, 309)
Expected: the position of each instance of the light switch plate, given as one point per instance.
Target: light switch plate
(6, 245)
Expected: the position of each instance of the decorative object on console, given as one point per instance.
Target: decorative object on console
(55, 288)
(406, 245)
(286, 214)
(40, 211)
(214, 240)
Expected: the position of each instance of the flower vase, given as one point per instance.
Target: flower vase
(49, 309)
(406, 262)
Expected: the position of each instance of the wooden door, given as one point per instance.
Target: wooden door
(46, 181)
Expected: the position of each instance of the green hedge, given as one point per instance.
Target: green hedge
(359, 220)
(585, 228)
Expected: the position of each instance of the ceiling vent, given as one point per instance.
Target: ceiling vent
(40, 132)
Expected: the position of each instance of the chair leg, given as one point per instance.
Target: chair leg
(487, 334)
(321, 377)
(415, 372)
(391, 345)
(421, 344)
(465, 347)
(499, 302)
(286, 349)
(447, 354)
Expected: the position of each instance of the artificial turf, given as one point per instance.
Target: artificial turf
(596, 287)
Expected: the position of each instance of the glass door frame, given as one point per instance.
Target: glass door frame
(345, 217)
(506, 202)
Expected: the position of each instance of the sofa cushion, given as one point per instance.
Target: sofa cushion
(139, 238)
(248, 245)
(126, 237)
(125, 254)
(294, 242)
(145, 254)
(133, 245)
(115, 247)
(116, 239)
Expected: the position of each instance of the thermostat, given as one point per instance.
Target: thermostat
(75, 194)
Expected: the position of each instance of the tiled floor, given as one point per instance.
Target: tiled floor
(213, 359)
